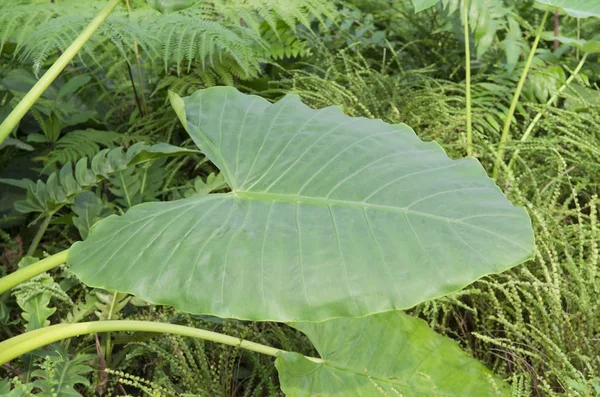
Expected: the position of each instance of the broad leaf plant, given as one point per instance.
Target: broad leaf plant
(333, 225)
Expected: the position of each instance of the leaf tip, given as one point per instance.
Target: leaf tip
(179, 106)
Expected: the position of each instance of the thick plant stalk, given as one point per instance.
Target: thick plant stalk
(24, 343)
(28, 272)
(468, 78)
(541, 113)
(44, 82)
(517, 95)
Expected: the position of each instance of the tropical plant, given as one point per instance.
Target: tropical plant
(332, 224)
(272, 248)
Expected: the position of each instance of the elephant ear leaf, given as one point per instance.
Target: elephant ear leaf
(575, 8)
(328, 216)
(387, 354)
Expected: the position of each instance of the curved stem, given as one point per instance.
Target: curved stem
(541, 113)
(24, 343)
(24, 274)
(44, 82)
(553, 98)
(38, 236)
(517, 95)
(468, 79)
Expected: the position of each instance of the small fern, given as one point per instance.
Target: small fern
(221, 36)
(80, 143)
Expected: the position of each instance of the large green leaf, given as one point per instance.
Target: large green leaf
(389, 354)
(575, 8)
(328, 216)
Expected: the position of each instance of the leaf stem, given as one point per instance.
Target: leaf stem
(139, 69)
(44, 82)
(28, 272)
(125, 189)
(39, 234)
(515, 100)
(541, 113)
(468, 78)
(24, 343)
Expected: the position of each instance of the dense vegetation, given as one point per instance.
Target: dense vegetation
(136, 117)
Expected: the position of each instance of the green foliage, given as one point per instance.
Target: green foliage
(301, 217)
(534, 326)
(209, 34)
(62, 187)
(574, 8)
(80, 143)
(525, 323)
(33, 297)
(87, 209)
(430, 365)
(486, 19)
(58, 374)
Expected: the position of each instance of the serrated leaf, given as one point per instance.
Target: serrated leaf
(328, 216)
(36, 311)
(388, 354)
(60, 374)
(575, 8)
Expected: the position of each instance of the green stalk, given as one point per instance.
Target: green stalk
(29, 341)
(108, 348)
(139, 68)
(38, 236)
(515, 100)
(125, 189)
(28, 272)
(468, 79)
(550, 101)
(44, 82)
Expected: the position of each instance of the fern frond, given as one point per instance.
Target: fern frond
(80, 143)
(224, 36)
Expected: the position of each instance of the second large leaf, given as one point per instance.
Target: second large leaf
(328, 216)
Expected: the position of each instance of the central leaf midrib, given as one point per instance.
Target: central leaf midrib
(294, 198)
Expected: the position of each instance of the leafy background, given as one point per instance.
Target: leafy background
(535, 326)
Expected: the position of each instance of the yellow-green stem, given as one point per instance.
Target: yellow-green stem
(550, 101)
(24, 343)
(517, 95)
(468, 78)
(108, 348)
(44, 82)
(39, 234)
(26, 273)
